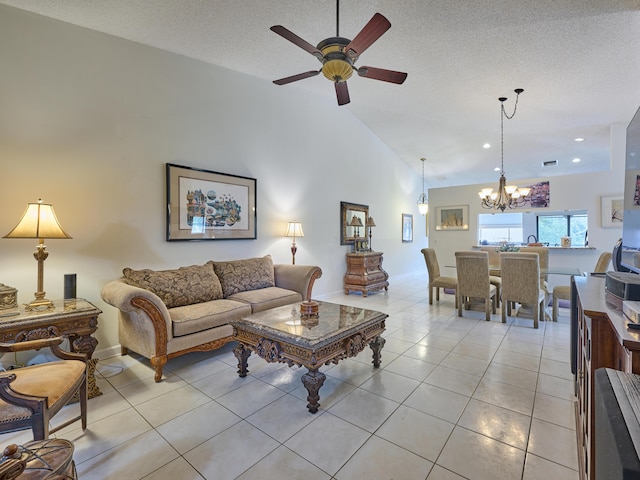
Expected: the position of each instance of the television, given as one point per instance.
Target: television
(630, 251)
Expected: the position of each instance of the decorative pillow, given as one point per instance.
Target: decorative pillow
(243, 275)
(177, 288)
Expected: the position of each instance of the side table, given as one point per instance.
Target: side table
(76, 318)
(365, 273)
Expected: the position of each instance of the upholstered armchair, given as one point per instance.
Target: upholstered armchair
(31, 396)
(473, 281)
(436, 280)
(563, 292)
(520, 273)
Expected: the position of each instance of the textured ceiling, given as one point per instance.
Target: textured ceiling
(578, 61)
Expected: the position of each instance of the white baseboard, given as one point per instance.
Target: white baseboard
(109, 352)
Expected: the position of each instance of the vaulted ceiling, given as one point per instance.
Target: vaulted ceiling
(577, 60)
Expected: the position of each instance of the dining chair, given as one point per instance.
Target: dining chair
(520, 273)
(30, 396)
(563, 292)
(473, 281)
(543, 253)
(436, 280)
(494, 259)
(494, 269)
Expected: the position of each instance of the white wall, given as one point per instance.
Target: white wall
(89, 121)
(568, 192)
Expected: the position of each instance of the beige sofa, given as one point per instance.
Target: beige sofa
(164, 314)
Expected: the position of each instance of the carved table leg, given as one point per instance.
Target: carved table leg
(87, 344)
(312, 381)
(242, 354)
(376, 345)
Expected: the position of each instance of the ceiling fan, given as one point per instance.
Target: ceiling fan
(338, 56)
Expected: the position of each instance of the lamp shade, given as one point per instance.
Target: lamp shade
(370, 222)
(38, 221)
(294, 229)
(355, 222)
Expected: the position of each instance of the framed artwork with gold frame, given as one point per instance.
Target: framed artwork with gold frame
(347, 212)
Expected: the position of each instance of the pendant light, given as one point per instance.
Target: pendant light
(507, 196)
(423, 201)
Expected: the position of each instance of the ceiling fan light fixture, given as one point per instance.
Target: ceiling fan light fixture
(338, 55)
(337, 70)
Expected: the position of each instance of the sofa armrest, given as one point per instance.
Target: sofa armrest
(131, 300)
(299, 278)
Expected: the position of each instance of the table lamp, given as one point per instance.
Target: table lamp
(294, 229)
(39, 221)
(370, 223)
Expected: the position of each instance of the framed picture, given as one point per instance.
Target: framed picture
(452, 218)
(205, 205)
(407, 227)
(539, 196)
(348, 212)
(612, 209)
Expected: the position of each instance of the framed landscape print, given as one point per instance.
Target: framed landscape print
(452, 218)
(206, 205)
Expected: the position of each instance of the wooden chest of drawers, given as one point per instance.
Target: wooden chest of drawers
(365, 273)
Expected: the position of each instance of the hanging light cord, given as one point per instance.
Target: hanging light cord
(504, 114)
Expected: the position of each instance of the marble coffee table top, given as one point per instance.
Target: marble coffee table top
(288, 324)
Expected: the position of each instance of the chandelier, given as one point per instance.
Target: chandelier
(507, 196)
(423, 201)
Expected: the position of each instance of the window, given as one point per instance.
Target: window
(551, 228)
(527, 227)
(500, 228)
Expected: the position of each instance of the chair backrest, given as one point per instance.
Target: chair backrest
(473, 274)
(543, 253)
(603, 262)
(520, 273)
(494, 255)
(432, 263)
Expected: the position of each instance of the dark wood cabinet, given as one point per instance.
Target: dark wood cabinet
(603, 341)
(365, 273)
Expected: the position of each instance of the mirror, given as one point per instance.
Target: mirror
(347, 211)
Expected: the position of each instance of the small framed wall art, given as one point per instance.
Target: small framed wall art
(407, 227)
(452, 218)
(206, 205)
(612, 209)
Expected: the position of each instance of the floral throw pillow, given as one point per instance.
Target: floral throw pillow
(243, 275)
(180, 287)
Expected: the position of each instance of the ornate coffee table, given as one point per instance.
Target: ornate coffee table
(283, 335)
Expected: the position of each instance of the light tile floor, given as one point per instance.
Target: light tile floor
(454, 398)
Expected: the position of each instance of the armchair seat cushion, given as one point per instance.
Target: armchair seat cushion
(266, 298)
(51, 380)
(204, 316)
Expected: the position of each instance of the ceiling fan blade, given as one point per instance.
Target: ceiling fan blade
(295, 78)
(342, 92)
(369, 34)
(295, 39)
(382, 74)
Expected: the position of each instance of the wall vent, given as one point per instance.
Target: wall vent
(550, 163)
